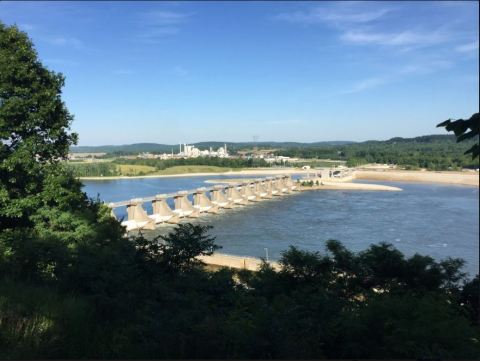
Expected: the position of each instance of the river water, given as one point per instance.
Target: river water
(430, 219)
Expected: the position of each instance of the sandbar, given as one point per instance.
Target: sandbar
(462, 178)
(351, 186)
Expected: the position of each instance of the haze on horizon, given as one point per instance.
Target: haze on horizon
(175, 72)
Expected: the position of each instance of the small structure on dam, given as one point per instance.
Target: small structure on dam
(183, 207)
(234, 196)
(221, 197)
(162, 212)
(137, 217)
(260, 189)
(247, 192)
(202, 202)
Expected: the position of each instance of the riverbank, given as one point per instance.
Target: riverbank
(237, 262)
(460, 178)
(253, 171)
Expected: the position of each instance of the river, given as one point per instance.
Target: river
(430, 219)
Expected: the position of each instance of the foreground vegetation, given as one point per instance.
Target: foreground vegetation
(73, 286)
(140, 299)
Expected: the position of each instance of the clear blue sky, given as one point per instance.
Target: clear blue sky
(297, 71)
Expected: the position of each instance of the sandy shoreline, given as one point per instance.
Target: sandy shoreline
(237, 262)
(351, 186)
(461, 178)
(338, 185)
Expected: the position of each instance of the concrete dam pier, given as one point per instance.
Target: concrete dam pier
(205, 200)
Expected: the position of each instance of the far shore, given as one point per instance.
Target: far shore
(446, 177)
(255, 171)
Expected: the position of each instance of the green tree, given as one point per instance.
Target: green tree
(45, 218)
(34, 125)
(177, 251)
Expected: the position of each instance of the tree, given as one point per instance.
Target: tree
(465, 129)
(177, 251)
(34, 125)
(44, 215)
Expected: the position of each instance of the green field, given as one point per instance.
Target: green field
(108, 169)
(133, 169)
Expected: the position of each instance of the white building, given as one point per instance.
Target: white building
(190, 151)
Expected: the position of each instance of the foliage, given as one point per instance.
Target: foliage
(437, 152)
(94, 169)
(44, 217)
(160, 164)
(177, 250)
(152, 299)
(106, 169)
(33, 127)
(307, 183)
(465, 129)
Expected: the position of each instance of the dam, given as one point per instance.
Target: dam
(205, 200)
(408, 219)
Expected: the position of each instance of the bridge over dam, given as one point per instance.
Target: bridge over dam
(205, 200)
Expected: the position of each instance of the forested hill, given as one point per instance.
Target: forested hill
(434, 138)
(435, 152)
(160, 148)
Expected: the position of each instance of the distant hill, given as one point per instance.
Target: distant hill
(126, 148)
(434, 138)
(161, 148)
(166, 148)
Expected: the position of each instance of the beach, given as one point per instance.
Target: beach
(339, 184)
(237, 262)
(350, 186)
(461, 178)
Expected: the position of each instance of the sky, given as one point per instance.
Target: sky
(170, 72)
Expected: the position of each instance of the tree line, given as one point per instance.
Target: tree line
(430, 152)
(161, 164)
(106, 169)
(94, 169)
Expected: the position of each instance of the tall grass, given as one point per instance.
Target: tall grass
(36, 322)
